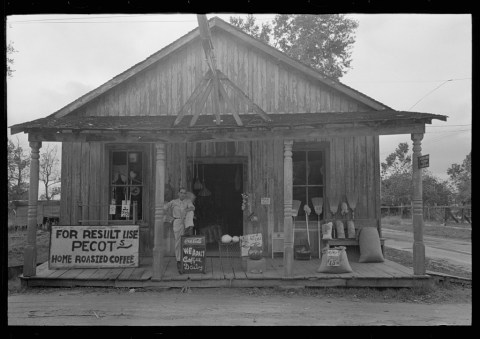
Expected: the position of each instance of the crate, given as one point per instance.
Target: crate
(229, 250)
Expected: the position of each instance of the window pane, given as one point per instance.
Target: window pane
(126, 184)
(119, 158)
(135, 168)
(315, 164)
(299, 169)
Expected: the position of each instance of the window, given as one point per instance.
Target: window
(308, 179)
(126, 185)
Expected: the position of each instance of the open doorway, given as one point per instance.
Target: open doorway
(218, 211)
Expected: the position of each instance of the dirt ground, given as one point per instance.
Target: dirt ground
(217, 306)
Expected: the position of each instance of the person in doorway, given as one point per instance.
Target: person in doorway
(182, 214)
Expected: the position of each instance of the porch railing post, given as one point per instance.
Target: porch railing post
(417, 203)
(287, 212)
(159, 243)
(30, 252)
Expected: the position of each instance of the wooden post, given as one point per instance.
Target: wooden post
(287, 212)
(417, 213)
(159, 241)
(30, 252)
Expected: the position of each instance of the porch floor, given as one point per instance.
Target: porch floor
(228, 272)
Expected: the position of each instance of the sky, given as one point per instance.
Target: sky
(412, 62)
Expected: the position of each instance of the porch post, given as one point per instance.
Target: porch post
(417, 211)
(30, 252)
(287, 211)
(159, 243)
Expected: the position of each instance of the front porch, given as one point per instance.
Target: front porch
(228, 272)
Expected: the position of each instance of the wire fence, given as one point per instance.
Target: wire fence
(443, 214)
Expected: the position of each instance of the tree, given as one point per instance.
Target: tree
(49, 172)
(18, 163)
(461, 179)
(250, 27)
(398, 162)
(322, 42)
(10, 61)
(396, 185)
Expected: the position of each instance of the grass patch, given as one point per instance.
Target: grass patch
(436, 229)
(16, 245)
(436, 265)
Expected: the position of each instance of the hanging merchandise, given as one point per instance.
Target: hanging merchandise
(125, 208)
(197, 185)
(204, 192)
(237, 180)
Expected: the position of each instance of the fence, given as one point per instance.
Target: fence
(458, 214)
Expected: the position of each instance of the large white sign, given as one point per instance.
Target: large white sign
(93, 246)
(248, 241)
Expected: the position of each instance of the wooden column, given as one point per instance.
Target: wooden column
(417, 212)
(30, 252)
(159, 241)
(287, 211)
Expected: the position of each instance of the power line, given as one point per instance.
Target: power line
(457, 130)
(451, 125)
(443, 83)
(409, 81)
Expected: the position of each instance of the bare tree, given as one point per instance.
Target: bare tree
(50, 172)
(18, 170)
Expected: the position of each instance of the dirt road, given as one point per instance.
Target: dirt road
(220, 307)
(457, 252)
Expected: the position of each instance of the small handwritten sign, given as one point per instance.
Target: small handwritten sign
(193, 254)
(249, 240)
(333, 258)
(265, 201)
(93, 246)
(125, 209)
(424, 161)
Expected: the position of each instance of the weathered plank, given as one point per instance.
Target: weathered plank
(217, 270)
(125, 275)
(371, 185)
(360, 177)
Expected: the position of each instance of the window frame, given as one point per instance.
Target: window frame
(110, 149)
(312, 147)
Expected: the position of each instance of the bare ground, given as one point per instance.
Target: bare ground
(238, 307)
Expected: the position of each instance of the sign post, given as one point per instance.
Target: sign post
(424, 161)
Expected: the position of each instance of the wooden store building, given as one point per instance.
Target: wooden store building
(223, 114)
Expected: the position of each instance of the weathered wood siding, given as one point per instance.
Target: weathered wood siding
(85, 181)
(162, 88)
(351, 163)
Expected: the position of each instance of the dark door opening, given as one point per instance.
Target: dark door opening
(218, 203)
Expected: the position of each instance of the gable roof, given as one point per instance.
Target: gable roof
(217, 23)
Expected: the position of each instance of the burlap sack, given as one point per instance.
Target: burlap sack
(351, 229)
(340, 230)
(343, 267)
(327, 231)
(370, 246)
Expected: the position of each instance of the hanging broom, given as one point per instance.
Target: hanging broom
(303, 252)
(317, 203)
(352, 198)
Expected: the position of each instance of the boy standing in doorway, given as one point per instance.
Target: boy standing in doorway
(182, 214)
